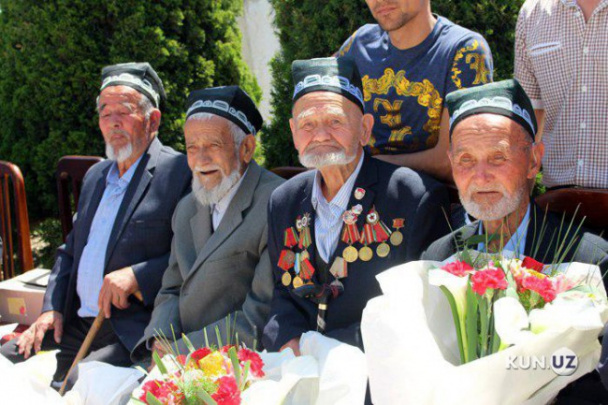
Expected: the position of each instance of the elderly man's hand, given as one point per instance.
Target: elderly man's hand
(116, 288)
(294, 344)
(34, 335)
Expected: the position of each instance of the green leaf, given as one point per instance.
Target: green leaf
(235, 364)
(152, 400)
(471, 322)
(188, 343)
(459, 329)
(245, 374)
(159, 363)
(205, 397)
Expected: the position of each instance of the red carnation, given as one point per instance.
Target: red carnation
(459, 268)
(165, 391)
(228, 392)
(256, 364)
(542, 285)
(530, 263)
(181, 359)
(491, 278)
(200, 354)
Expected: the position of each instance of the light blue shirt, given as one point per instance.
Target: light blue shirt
(218, 210)
(328, 215)
(91, 267)
(517, 243)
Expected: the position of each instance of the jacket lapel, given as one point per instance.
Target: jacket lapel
(135, 191)
(232, 218)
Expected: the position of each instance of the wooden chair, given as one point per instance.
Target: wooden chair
(14, 222)
(70, 172)
(591, 203)
(287, 172)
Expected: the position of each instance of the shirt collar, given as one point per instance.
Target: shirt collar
(225, 201)
(341, 199)
(114, 177)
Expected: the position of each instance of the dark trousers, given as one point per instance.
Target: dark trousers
(106, 347)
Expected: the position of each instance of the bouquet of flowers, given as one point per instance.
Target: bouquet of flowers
(497, 302)
(481, 329)
(204, 376)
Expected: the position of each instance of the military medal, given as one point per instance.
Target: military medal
(357, 209)
(397, 236)
(286, 259)
(339, 268)
(350, 235)
(380, 233)
(359, 193)
(306, 269)
(286, 279)
(297, 282)
(367, 237)
(302, 225)
(290, 239)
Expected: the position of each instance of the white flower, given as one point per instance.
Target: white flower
(510, 320)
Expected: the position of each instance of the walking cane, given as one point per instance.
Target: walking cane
(86, 344)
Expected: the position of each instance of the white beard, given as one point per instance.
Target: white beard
(492, 212)
(317, 161)
(123, 153)
(213, 196)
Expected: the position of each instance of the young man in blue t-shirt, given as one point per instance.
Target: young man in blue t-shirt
(409, 62)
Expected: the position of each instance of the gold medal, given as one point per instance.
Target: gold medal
(383, 250)
(396, 238)
(366, 254)
(297, 282)
(286, 279)
(350, 254)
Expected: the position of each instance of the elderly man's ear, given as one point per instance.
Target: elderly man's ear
(247, 148)
(538, 151)
(367, 124)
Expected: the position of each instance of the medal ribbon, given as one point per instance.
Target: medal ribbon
(367, 236)
(296, 268)
(350, 234)
(381, 232)
(398, 223)
(283, 262)
(290, 239)
(307, 269)
(304, 238)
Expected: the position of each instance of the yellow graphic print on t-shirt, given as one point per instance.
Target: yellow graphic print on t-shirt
(476, 62)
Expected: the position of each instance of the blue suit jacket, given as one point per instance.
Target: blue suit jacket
(140, 238)
(395, 192)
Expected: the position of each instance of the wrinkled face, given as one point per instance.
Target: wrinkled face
(211, 151)
(327, 129)
(126, 131)
(493, 160)
(394, 14)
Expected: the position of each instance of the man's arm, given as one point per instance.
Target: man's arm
(250, 320)
(432, 161)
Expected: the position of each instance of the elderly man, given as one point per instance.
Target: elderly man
(219, 263)
(121, 239)
(333, 229)
(494, 158)
(410, 61)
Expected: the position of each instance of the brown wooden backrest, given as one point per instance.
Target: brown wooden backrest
(14, 222)
(287, 172)
(70, 172)
(591, 203)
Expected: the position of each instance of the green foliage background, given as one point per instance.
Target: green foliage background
(51, 55)
(313, 28)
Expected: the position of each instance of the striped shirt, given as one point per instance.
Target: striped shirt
(562, 63)
(328, 215)
(92, 261)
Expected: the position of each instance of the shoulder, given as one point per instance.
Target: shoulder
(293, 187)
(531, 8)
(268, 183)
(592, 249)
(186, 208)
(455, 36)
(442, 248)
(416, 183)
(360, 38)
(170, 156)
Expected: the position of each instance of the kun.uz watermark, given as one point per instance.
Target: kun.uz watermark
(563, 362)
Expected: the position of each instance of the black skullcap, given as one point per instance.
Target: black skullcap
(337, 75)
(139, 76)
(230, 102)
(505, 98)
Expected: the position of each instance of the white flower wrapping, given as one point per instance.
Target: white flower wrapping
(412, 350)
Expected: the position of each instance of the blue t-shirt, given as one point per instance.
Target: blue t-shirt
(404, 89)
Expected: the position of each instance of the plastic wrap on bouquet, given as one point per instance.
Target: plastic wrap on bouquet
(327, 373)
(413, 357)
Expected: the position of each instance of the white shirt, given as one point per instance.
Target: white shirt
(218, 210)
(328, 218)
(93, 259)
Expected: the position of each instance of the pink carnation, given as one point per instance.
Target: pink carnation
(542, 285)
(458, 268)
(228, 392)
(492, 278)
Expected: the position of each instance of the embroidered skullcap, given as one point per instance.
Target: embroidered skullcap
(505, 98)
(139, 76)
(230, 102)
(337, 75)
